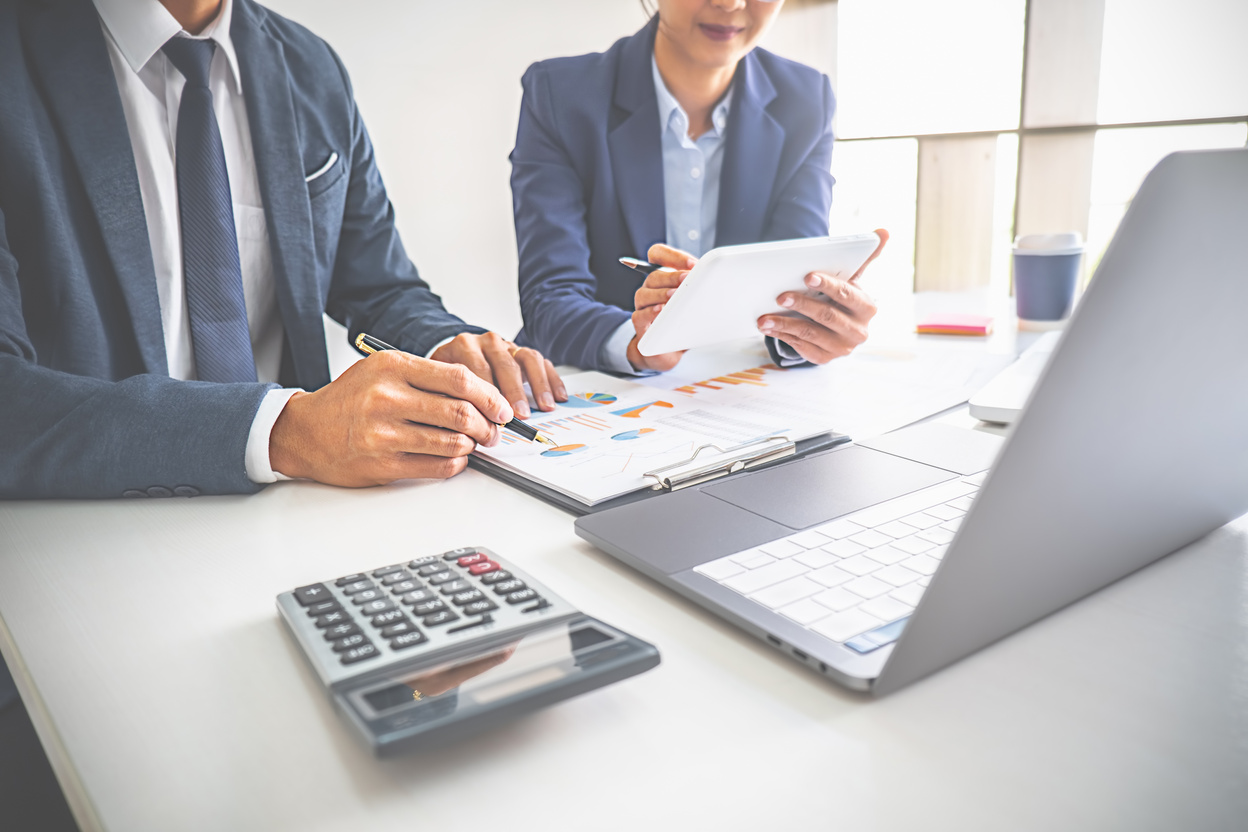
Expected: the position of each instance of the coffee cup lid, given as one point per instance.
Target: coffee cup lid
(1066, 242)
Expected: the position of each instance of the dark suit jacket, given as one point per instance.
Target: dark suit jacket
(587, 181)
(86, 405)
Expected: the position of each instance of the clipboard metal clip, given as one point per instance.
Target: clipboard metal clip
(730, 460)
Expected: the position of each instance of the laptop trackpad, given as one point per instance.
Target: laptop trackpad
(818, 488)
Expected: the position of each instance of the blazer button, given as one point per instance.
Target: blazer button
(186, 491)
(133, 492)
(159, 491)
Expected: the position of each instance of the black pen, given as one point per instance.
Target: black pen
(368, 345)
(639, 265)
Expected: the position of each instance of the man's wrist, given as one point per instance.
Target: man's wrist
(263, 465)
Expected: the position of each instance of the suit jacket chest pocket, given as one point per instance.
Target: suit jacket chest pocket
(327, 191)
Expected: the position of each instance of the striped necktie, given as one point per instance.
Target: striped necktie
(210, 265)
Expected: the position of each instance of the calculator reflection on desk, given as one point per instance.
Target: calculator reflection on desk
(419, 653)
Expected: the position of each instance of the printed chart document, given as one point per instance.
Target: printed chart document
(612, 432)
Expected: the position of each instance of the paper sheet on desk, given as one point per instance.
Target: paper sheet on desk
(613, 431)
(879, 389)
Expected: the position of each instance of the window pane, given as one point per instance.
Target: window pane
(1163, 60)
(914, 66)
(1122, 158)
(877, 187)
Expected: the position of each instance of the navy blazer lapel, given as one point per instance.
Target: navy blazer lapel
(66, 45)
(636, 146)
(752, 146)
(287, 211)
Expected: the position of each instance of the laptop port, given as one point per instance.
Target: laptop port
(800, 654)
(774, 641)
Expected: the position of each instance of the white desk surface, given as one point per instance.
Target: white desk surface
(145, 640)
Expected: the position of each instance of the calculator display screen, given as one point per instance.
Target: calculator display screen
(422, 705)
(546, 657)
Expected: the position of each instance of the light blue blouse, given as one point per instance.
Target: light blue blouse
(691, 171)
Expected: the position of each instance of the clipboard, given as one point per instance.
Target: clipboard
(697, 469)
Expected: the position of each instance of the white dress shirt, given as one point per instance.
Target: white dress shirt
(691, 173)
(151, 91)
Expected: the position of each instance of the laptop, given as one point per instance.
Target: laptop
(880, 562)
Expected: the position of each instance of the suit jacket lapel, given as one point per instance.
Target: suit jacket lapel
(69, 54)
(279, 167)
(635, 145)
(752, 147)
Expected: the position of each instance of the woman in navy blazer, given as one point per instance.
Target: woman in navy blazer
(588, 182)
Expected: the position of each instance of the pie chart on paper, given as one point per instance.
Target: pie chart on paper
(632, 434)
(588, 400)
(564, 450)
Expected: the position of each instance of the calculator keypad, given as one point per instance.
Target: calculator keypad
(459, 588)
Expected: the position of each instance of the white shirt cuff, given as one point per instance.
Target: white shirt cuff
(259, 468)
(613, 354)
(439, 346)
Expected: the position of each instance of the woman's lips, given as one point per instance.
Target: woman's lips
(720, 33)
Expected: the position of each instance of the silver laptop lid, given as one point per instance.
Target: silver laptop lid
(1135, 441)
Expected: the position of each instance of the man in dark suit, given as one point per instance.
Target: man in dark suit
(185, 187)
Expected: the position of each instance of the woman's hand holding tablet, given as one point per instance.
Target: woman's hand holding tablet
(833, 319)
(650, 299)
(738, 289)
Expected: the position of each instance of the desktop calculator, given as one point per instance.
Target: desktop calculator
(432, 649)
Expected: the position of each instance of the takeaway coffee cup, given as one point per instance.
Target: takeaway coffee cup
(1046, 272)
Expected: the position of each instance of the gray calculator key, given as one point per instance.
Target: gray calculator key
(462, 598)
(507, 587)
(344, 644)
(456, 554)
(312, 594)
(430, 569)
(478, 607)
(451, 587)
(395, 577)
(426, 560)
(408, 640)
(398, 629)
(387, 570)
(358, 586)
(317, 610)
(388, 617)
(440, 617)
(358, 654)
(338, 631)
(375, 607)
(436, 605)
(350, 579)
(419, 596)
(329, 619)
(404, 587)
(522, 596)
(442, 577)
(366, 596)
(491, 578)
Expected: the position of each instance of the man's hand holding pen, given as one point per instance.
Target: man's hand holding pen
(393, 416)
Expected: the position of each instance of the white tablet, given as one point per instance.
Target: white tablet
(730, 287)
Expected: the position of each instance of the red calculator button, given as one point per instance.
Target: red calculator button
(482, 568)
(469, 560)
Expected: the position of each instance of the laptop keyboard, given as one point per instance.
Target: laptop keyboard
(856, 579)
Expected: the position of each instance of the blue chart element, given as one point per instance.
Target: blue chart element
(588, 400)
(632, 434)
(564, 450)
